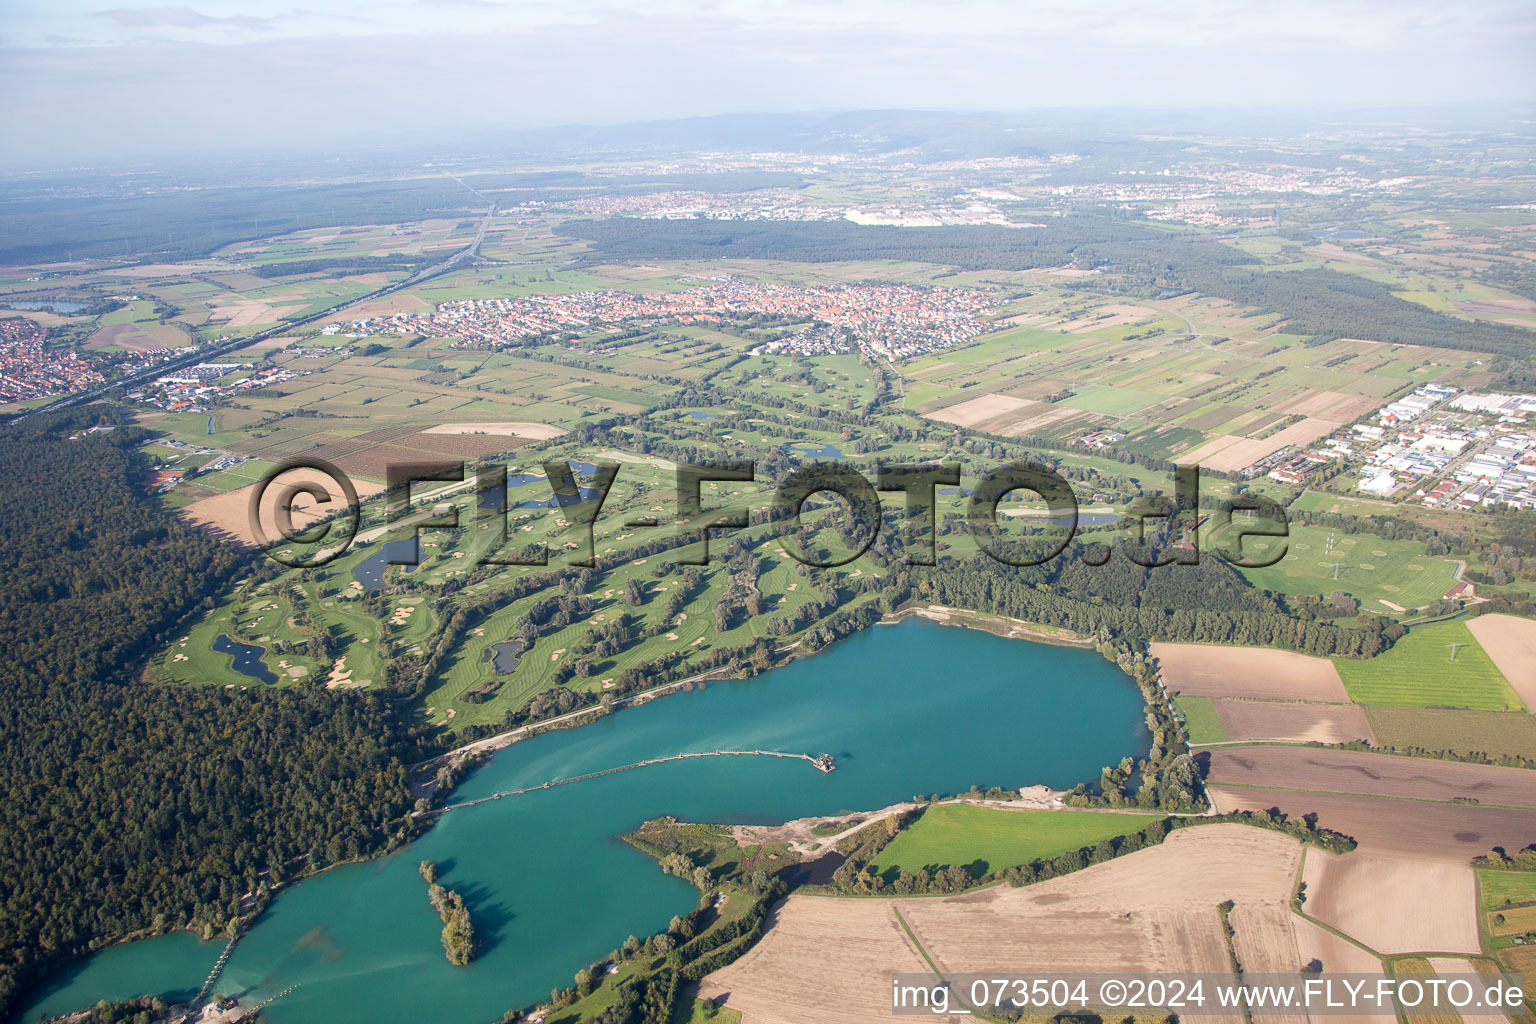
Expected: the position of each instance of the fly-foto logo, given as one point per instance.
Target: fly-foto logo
(1163, 530)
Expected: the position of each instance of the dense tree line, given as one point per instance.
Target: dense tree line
(182, 224)
(1203, 603)
(131, 807)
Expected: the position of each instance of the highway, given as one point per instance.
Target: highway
(207, 352)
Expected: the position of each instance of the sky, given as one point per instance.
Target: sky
(86, 80)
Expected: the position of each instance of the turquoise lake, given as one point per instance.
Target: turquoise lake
(916, 708)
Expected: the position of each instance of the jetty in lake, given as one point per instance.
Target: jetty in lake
(821, 762)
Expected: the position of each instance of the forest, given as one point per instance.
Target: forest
(178, 225)
(132, 808)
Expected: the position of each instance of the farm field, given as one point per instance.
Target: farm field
(1069, 365)
(1292, 722)
(1384, 575)
(1418, 672)
(1511, 644)
(1151, 910)
(1381, 775)
(1402, 828)
(1502, 887)
(229, 512)
(992, 839)
(1260, 673)
(1500, 734)
(1201, 722)
(1361, 894)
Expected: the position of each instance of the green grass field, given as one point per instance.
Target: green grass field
(964, 834)
(1418, 673)
(1201, 721)
(1499, 887)
(1374, 570)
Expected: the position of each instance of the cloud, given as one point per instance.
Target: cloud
(178, 17)
(481, 4)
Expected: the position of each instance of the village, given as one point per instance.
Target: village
(885, 321)
(30, 368)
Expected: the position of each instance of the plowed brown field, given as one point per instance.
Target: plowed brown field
(1205, 670)
(1411, 828)
(1298, 722)
(1393, 904)
(1349, 771)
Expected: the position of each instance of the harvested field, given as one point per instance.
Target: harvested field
(1265, 944)
(1385, 775)
(536, 431)
(974, 410)
(1303, 433)
(1038, 420)
(829, 959)
(1511, 643)
(820, 959)
(1205, 670)
(1297, 722)
(1500, 733)
(1394, 905)
(1312, 403)
(1445, 966)
(1337, 955)
(1408, 828)
(229, 513)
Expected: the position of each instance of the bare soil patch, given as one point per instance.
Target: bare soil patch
(1406, 828)
(1242, 452)
(1296, 722)
(1511, 643)
(821, 959)
(1387, 775)
(1205, 670)
(1265, 944)
(973, 411)
(1395, 905)
(1337, 955)
(1311, 403)
(1036, 420)
(229, 513)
